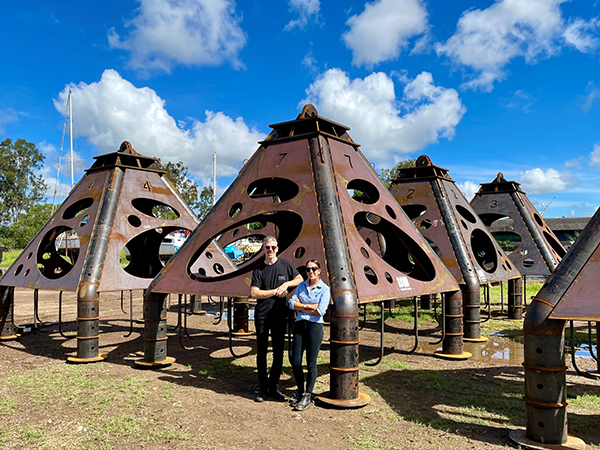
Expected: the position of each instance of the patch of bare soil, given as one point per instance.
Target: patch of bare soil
(205, 399)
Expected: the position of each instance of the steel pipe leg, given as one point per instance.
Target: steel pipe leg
(515, 299)
(426, 301)
(7, 318)
(240, 317)
(155, 332)
(472, 312)
(452, 345)
(196, 305)
(88, 325)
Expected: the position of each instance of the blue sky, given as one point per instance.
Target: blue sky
(479, 86)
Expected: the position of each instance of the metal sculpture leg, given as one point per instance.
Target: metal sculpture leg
(596, 372)
(452, 345)
(381, 333)
(60, 331)
(471, 294)
(130, 312)
(229, 327)
(155, 332)
(488, 302)
(515, 299)
(7, 317)
(196, 305)
(241, 317)
(426, 301)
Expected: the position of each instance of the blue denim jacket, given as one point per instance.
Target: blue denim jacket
(319, 294)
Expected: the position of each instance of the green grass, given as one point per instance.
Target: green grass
(123, 425)
(8, 405)
(31, 435)
(9, 257)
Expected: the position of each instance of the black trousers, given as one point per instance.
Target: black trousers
(276, 326)
(307, 336)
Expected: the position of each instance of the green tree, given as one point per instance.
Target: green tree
(20, 187)
(388, 175)
(199, 200)
(26, 226)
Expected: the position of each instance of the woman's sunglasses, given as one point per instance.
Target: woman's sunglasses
(312, 269)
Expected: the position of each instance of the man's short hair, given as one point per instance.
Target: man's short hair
(269, 239)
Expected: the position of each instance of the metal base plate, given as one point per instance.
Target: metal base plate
(12, 337)
(76, 360)
(479, 339)
(359, 402)
(514, 320)
(141, 364)
(459, 356)
(242, 333)
(519, 437)
(199, 313)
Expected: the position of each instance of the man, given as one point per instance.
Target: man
(270, 283)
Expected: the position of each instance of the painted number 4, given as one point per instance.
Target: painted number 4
(147, 186)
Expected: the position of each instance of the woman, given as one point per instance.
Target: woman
(310, 300)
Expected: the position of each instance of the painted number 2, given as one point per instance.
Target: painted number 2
(410, 193)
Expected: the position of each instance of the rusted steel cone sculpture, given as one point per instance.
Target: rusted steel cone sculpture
(509, 215)
(570, 293)
(431, 199)
(115, 206)
(310, 184)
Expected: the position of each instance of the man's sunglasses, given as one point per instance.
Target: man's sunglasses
(270, 247)
(312, 269)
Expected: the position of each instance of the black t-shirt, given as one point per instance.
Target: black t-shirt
(267, 277)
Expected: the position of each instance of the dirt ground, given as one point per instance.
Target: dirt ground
(205, 399)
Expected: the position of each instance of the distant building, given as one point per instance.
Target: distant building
(567, 229)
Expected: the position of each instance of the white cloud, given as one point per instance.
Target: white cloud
(188, 32)
(382, 123)
(487, 40)
(595, 156)
(580, 34)
(383, 29)
(575, 162)
(310, 62)
(520, 100)
(468, 188)
(7, 115)
(593, 93)
(307, 10)
(114, 110)
(536, 181)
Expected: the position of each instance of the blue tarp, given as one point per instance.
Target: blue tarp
(233, 252)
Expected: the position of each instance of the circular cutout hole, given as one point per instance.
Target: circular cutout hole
(528, 262)
(30, 255)
(208, 255)
(368, 241)
(299, 253)
(77, 208)
(373, 219)
(18, 271)
(58, 251)
(425, 224)
(538, 219)
(155, 208)
(85, 220)
(540, 386)
(218, 268)
(363, 191)
(134, 221)
(538, 351)
(236, 232)
(371, 275)
(26, 273)
(364, 252)
(508, 265)
(466, 213)
(201, 271)
(464, 224)
(389, 278)
(390, 211)
(272, 190)
(235, 210)
(541, 424)
(484, 250)
(414, 211)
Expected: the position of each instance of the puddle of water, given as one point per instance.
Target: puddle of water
(494, 351)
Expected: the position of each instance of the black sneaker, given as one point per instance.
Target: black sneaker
(260, 397)
(277, 395)
(304, 403)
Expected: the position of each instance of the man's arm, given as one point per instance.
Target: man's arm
(282, 290)
(260, 294)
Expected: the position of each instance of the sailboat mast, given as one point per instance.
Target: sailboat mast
(214, 178)
(71, 134)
